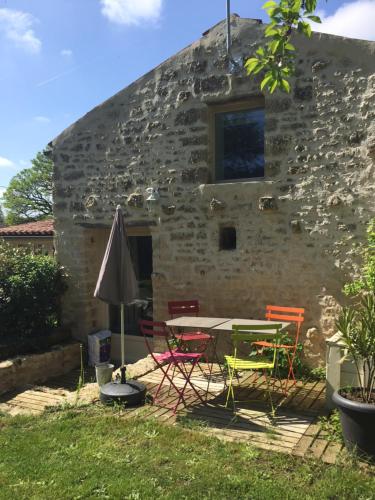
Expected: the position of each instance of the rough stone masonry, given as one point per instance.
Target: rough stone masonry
(297, 229)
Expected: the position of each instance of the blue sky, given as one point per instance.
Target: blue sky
(60, 58)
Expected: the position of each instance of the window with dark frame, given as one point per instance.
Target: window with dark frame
(227, 238)
(239, 143)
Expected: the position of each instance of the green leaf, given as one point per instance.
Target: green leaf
(285, 85)
(286, 71)
(265, 81)
(251, 60)
(297, 5)
(304, 28)
(270, 31)
(310, 5)
(274, 12)
(273, 86)
(258, 69)
(316, 19)
(289, 46)
(307, 30)
(274, 46)
(251, 64)
(269, 4)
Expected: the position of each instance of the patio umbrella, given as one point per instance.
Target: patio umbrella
(117, 285)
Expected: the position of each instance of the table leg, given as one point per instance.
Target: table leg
(216, 358)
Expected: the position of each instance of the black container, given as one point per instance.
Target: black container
(358, 424)
(130, 393)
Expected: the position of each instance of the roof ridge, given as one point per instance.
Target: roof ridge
(43, 227)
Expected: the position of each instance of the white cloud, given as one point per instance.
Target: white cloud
(16, 26)
(67, 53)
(131, 11)
(42, 119)
(352, 19)
(5, 162)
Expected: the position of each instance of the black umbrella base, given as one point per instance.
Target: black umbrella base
(131, 393)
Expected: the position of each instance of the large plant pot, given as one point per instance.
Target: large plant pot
(358, 424)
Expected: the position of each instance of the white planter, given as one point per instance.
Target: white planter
(339, 373)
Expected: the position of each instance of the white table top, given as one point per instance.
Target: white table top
(219, 324)
(227, 326)
(196, 322)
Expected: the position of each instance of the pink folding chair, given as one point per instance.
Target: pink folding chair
(173, 358)
(187, 308)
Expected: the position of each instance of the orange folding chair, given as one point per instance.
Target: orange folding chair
(291, 315)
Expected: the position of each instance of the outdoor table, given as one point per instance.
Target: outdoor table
(227, 325)
(196, 322)
(219, 325)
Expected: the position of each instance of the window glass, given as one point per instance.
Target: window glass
(239, 144)
(228, 239)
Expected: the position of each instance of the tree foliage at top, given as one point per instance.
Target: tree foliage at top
(276, 58)
(1, 217)
(29, 194)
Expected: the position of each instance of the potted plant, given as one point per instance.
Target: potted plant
(357, 327)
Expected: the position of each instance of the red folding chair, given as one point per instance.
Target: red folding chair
(291, 315)
(187, 308)
(173, 358)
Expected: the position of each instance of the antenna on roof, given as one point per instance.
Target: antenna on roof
(235, 66)
(229, 35)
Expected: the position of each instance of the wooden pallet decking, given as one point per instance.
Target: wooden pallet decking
(293, 429)
(35, 399)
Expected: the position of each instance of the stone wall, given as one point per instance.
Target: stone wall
(37, 368)
(40, 245)
(296, 230)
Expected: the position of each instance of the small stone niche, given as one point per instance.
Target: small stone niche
(267, 203)
(227, 238)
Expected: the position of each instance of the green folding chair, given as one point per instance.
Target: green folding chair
(249, 334)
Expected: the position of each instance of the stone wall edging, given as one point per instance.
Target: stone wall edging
(37, 368)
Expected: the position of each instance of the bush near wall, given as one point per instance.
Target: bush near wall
(31, 287)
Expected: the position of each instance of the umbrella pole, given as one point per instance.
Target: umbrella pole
(123, 368)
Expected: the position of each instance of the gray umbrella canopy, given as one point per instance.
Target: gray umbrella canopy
(117, 283)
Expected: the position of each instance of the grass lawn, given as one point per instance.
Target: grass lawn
(94, 453)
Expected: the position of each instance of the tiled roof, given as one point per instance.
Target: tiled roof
(39, 228)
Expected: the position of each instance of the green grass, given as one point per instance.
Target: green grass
(94, 453)
(331, 427)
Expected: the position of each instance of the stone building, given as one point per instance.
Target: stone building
(36, 236)
(263, 198)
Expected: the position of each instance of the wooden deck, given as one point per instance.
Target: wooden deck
(34, 399)
(293, 429)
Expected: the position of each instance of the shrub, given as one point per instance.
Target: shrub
(301, 370)
(357, 322)
(366, 282)
(282, 358)
(31, 287)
